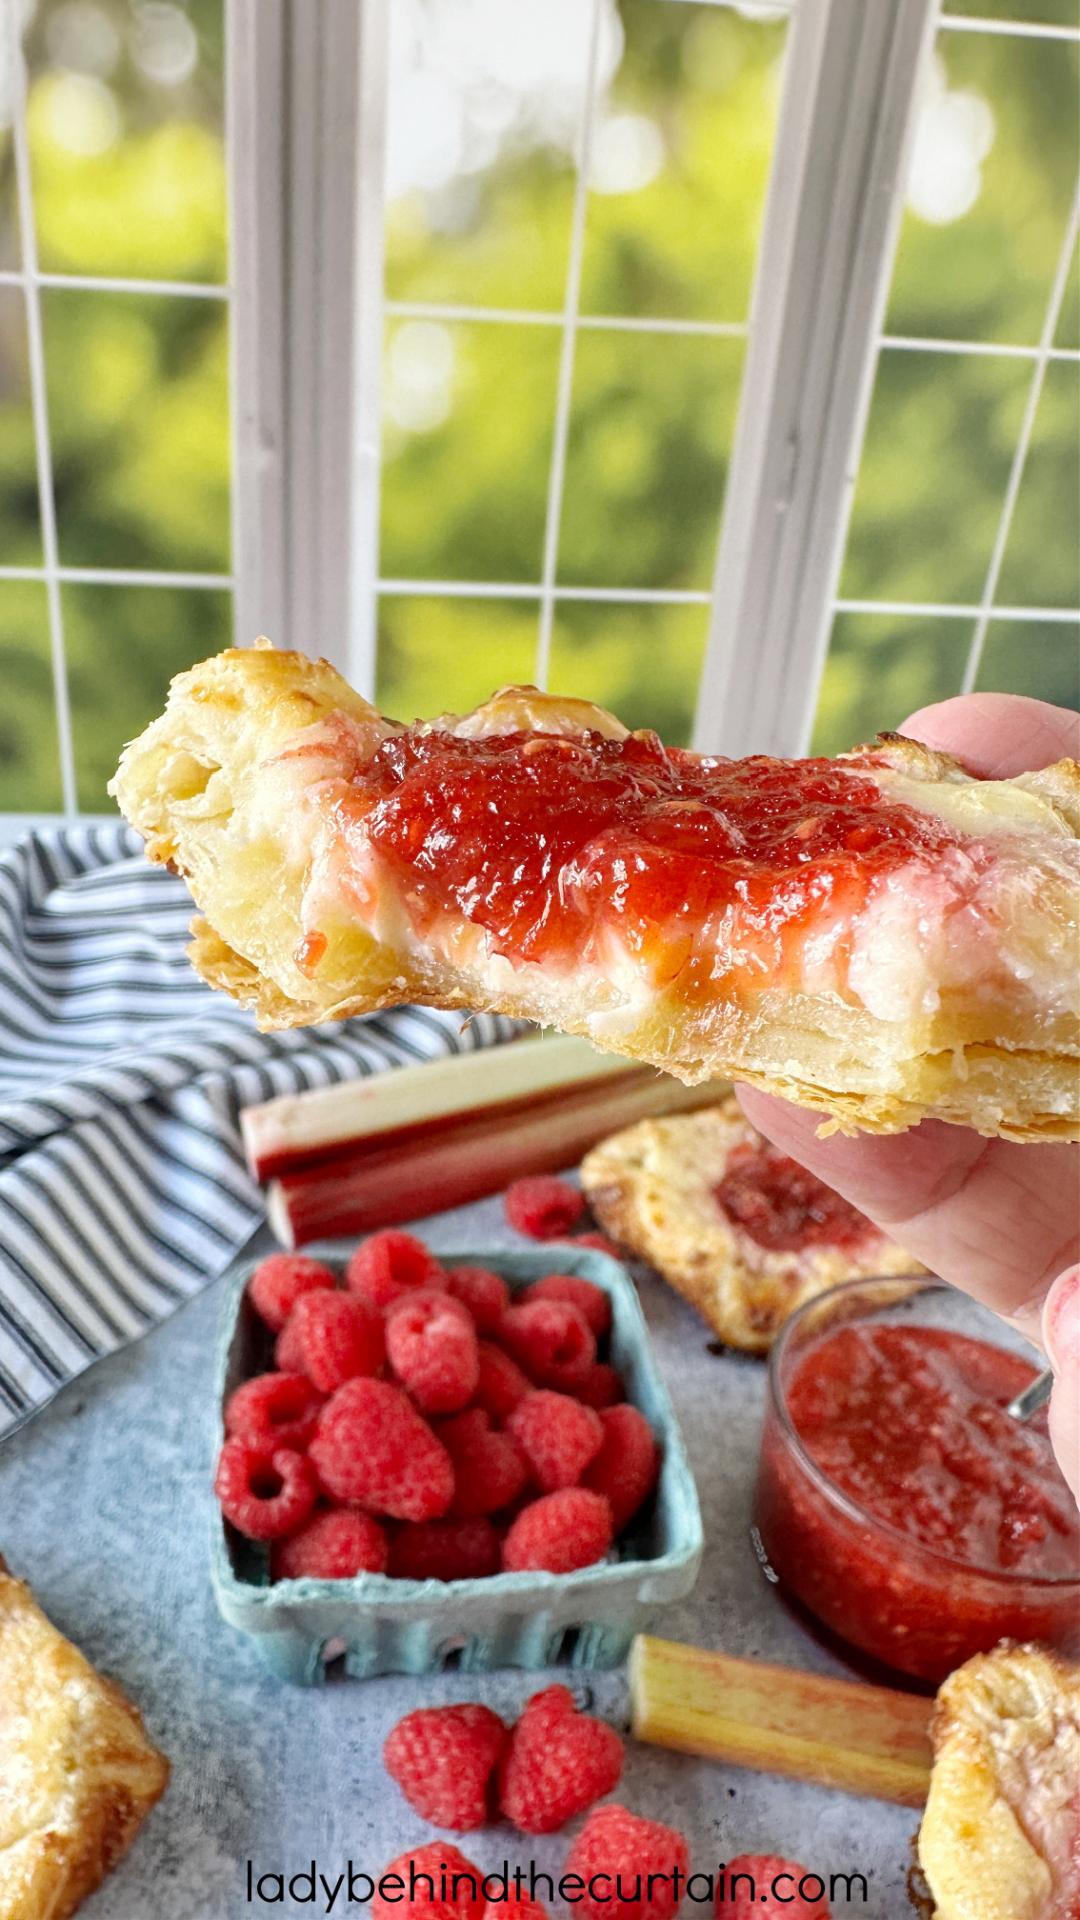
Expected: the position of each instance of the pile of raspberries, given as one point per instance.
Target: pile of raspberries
(461, 1768)
(419, 1422)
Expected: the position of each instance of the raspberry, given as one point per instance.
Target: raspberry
(442, 1759)
(489, 1470)
(265, 1495)
(600, 1388)
(630, 1850)
(372, 1447)
(431, 1345)
(558, 1437)
(558, 1762)
(517, 1906)
(445, 1550)
(625, 1469)
(389, 1264)
(334, 1545)
(288, 1357)
(589, 1299)
(543, 1206)
(437, 1883)
(485, 1295)
(551, 1340)
(273, 1410)
(279, 1280)
(762, 1870)
(599, 1243)
(335, 1338)
(559, 1533)
(501, 1383)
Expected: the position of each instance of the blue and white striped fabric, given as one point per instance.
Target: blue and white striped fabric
(123, 1187)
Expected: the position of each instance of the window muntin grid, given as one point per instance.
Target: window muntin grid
(915, 647)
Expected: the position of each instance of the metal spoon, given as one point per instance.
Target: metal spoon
(1034, 1396)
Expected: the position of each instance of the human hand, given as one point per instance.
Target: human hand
(998, 1219)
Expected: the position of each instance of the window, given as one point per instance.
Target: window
(490, 427)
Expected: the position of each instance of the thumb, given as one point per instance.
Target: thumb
(1061, 1338)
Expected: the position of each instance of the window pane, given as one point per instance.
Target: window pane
(123, 646)
(942, 433)
(1068, 327)
(20, 530)
(1042, 558)
(1048, 13)
(468, 419)
(641, 661)
(992, 180)
(29, 753)
(9, 216)
(1037, 657)
(651, 431)
(445, 656)
(138, 404)
(680, 163)
(125, 124)
(880, 668)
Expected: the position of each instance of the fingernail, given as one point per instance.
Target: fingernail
(1061, 1320)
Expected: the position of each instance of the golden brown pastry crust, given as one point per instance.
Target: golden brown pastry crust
(221, 787)
(1000, 1837)
(77, 1773)
(651, 1187)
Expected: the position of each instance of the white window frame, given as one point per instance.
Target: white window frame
(306, 86)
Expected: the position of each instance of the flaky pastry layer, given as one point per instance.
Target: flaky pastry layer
(77, 1773)
(967, 1015)
(999, 1837)
(652, 1187)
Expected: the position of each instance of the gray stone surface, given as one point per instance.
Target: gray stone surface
(105, 1507)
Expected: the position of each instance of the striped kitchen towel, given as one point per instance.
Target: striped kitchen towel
(123, 1187)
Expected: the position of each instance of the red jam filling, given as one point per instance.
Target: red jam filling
(911, 1422)
(543, 840)
(783, 1207)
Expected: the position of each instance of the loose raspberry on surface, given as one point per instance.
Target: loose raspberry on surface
(559, 1533)
(558, 1437)
(443, 1759)
(279, 1280)
(641, 1857)
(445, 1550)
(490, 1470)
(752, 1876)
(334, 1545)
(557, 1763)
(485, 1295)
(372, 1447)
(602, 1387)
(551, 1340)
(265, 1495)
(543, 1207)
(437, 1883)
(626, 1468)
(500, 1382)
(431, 1345)
(589, 1299)
(389, 1264)
(335, 1336)
(273, 1410)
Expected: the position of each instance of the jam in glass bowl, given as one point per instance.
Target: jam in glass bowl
(897, 1500)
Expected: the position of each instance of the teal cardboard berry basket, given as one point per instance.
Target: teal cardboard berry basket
(528, 1620)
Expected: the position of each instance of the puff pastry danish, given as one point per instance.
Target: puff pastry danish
(742, 1233)
(77, 1773)
(880, 936)
(1000, 1837)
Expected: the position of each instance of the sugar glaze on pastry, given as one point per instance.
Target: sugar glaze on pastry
(880, 936)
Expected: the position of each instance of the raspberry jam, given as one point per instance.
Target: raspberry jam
(942, 1524)
(545, 841)
(783, 1207)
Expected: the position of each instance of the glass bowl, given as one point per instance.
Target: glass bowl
(921, 1610)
